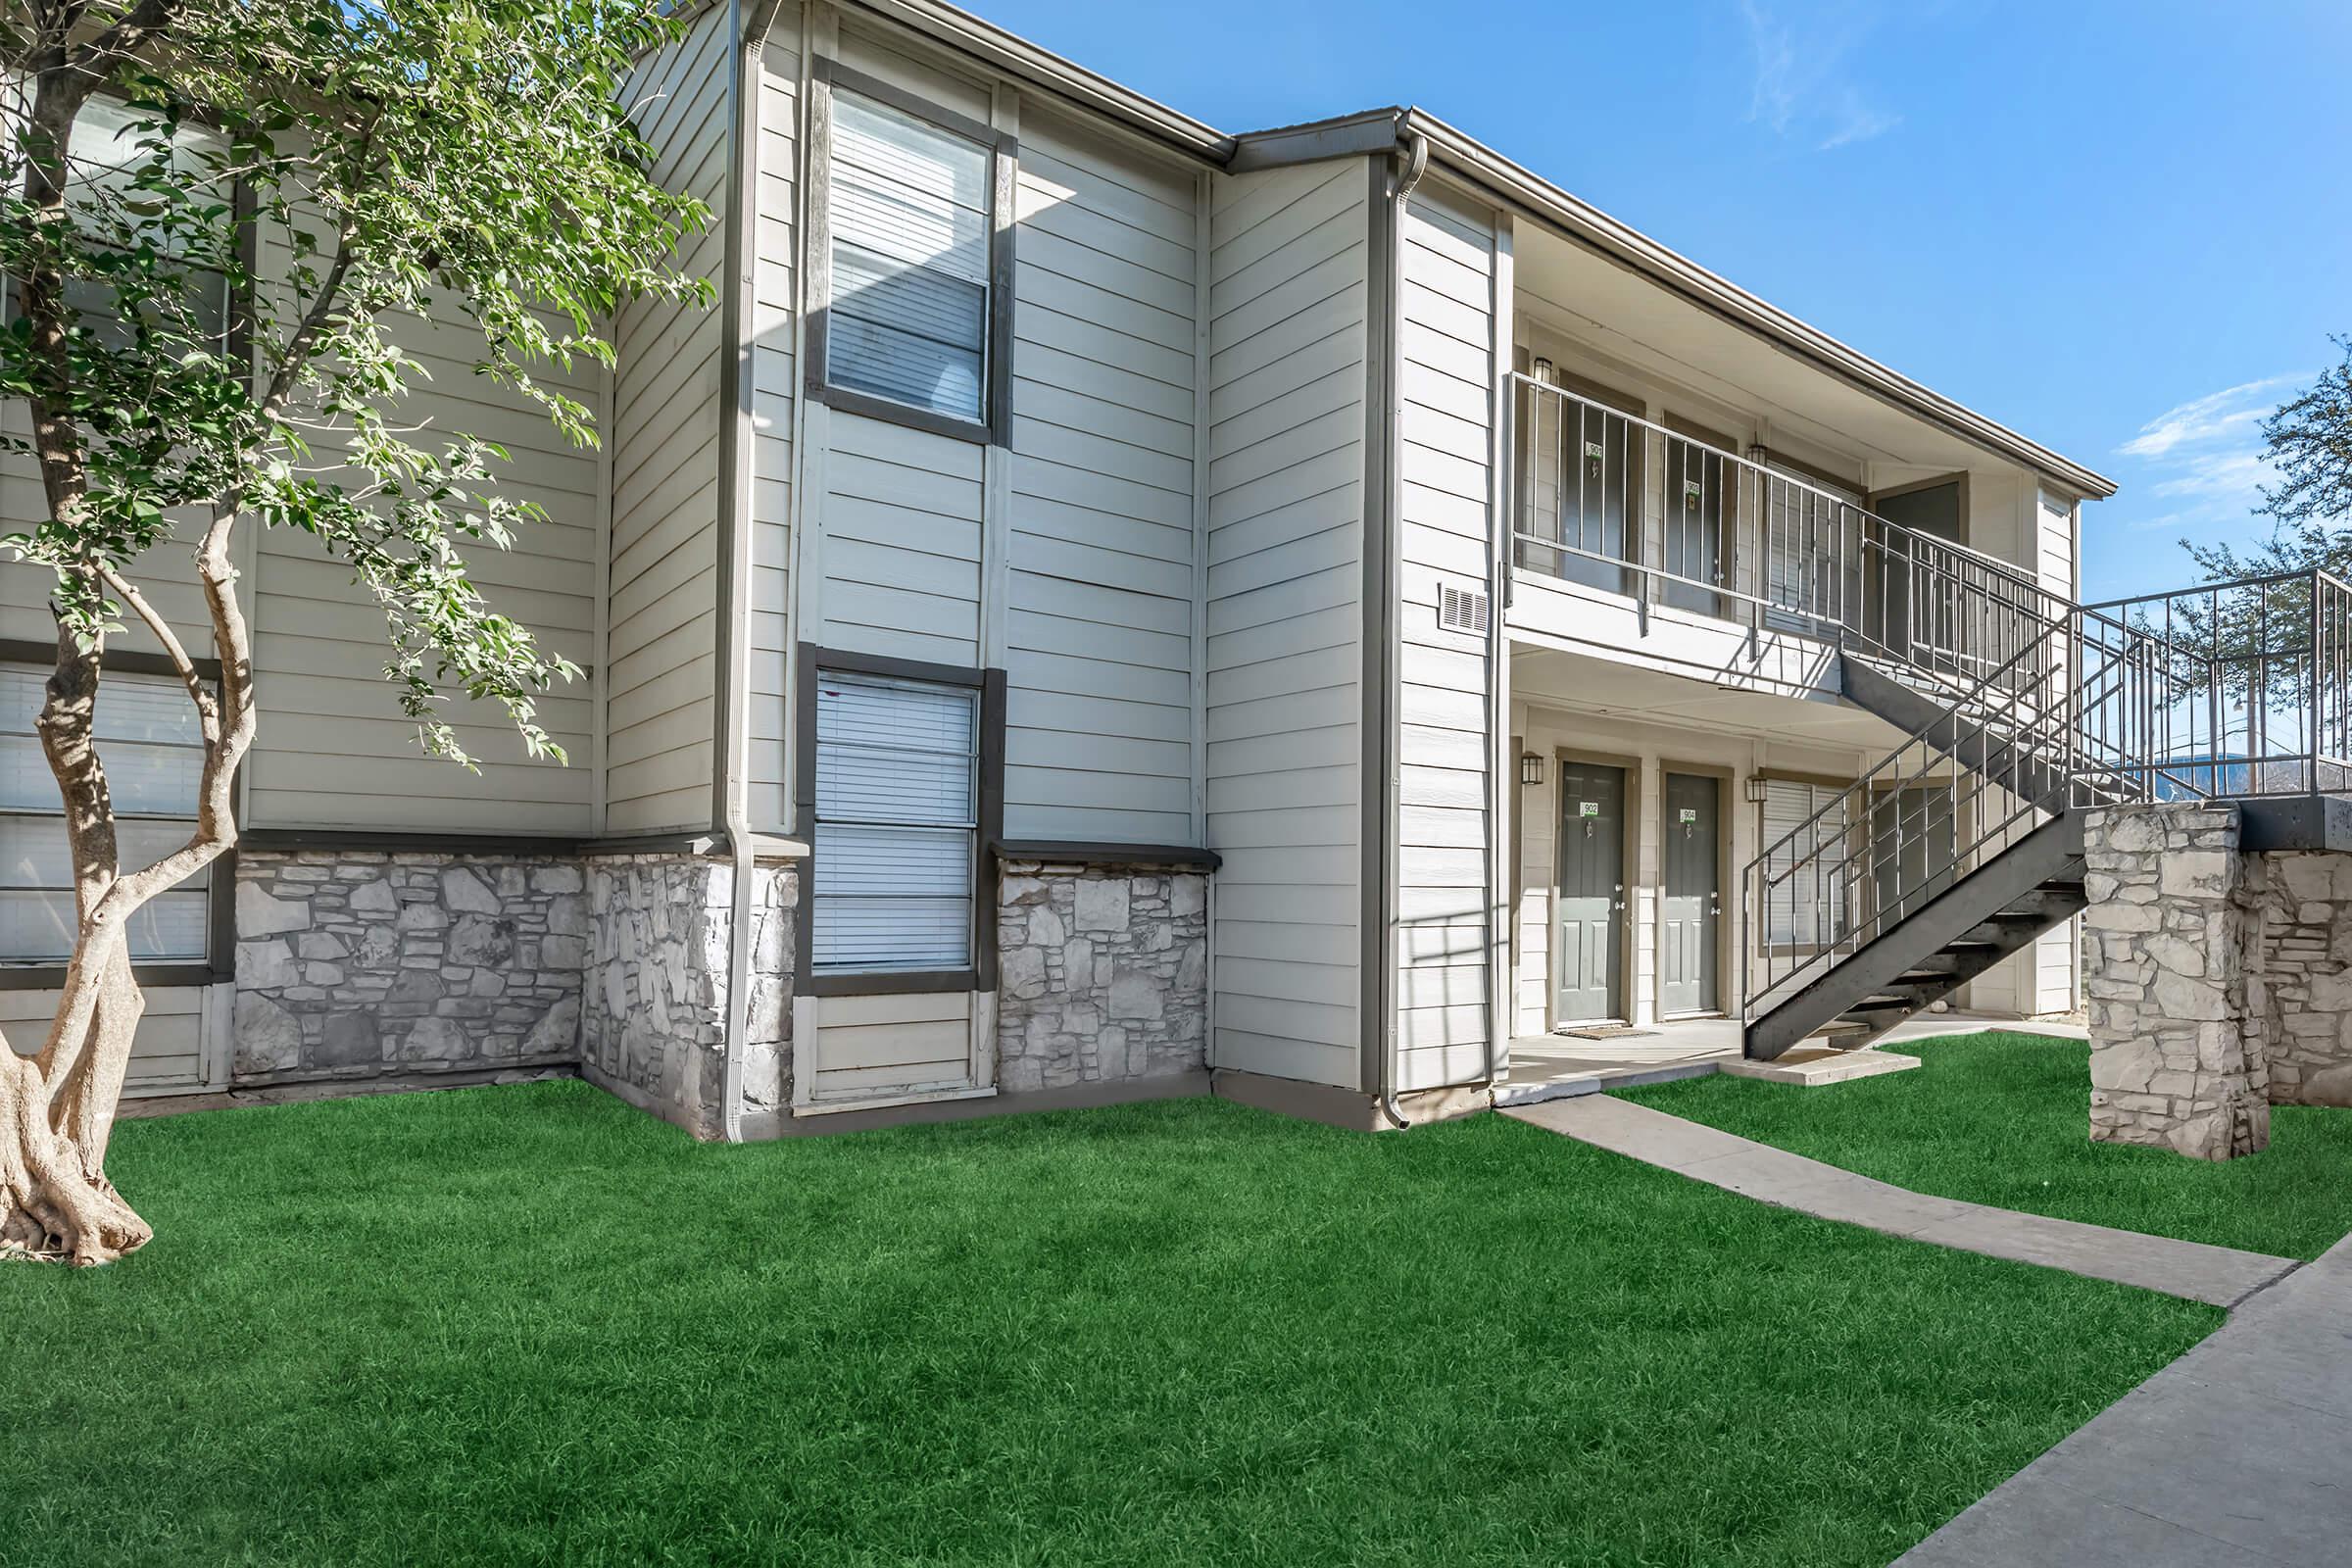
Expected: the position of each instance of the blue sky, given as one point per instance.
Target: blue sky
(2121, 229)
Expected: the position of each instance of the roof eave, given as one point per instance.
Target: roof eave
(1627, 246)
(1373, 130)
(1024, 61)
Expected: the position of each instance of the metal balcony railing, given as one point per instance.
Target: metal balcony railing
(2227, 691)
(1747, 543)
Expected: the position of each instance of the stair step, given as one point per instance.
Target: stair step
(1959, 933)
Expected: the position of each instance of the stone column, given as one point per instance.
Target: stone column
(653, 1028)
(2172, 947)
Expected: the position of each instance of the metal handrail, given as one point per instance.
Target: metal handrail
(2158, 690)
(1788, 554)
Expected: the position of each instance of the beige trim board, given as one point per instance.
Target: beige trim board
(1349, 1108)
(762, 1126)
(304, 1093)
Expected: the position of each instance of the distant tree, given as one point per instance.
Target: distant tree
(2309, 439)
(206, 336)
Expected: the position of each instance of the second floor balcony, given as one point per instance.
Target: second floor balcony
(1628, 530)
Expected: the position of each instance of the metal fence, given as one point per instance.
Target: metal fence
(1742, 541)
(2227, 691)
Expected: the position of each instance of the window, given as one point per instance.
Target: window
(1804, 892)
(898, 819)
(914, 326)
(154, 758)
(105, 150)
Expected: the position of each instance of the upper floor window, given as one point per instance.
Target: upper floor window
(146, 731)
(110, 151)
(915, 325)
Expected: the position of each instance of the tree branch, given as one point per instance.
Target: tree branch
(207, 712)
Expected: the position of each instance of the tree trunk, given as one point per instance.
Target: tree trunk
(57, 1108)
(55, 1200)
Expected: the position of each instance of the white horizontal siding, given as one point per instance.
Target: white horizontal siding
(662, 621)
(883, 1048)
(902, 548)
(172, 1053)
(1446, 279)
(1100, 572)
(1288, 334)
(775, 393)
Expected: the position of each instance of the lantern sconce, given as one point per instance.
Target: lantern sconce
(1756, 789)
(1530, 768)
(1542, 369)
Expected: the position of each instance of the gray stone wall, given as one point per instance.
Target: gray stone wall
(2172, 951)
(1103, 973)
(2303, 1001)
(654, 1025)
(356, 964)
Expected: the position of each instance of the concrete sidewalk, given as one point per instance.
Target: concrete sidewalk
(2238, 1456)
(2220, 1275)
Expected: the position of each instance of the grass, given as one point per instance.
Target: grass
(2005, 1119)
(531, 1325)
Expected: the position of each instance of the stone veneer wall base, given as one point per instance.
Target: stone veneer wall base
(2220, 979)
(1102, 973)
(355, 964)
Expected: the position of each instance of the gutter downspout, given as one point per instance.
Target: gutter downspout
(1416, 164)
(734, 552)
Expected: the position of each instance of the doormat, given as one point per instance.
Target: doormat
(1605, 1030)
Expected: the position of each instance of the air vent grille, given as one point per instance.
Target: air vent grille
(1462, 608)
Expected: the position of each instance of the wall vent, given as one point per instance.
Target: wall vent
(1462, 608)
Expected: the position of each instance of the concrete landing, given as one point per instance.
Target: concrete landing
(1808, 1066)
(2220, 1276)
(2233, 1456)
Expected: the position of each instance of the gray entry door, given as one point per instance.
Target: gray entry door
(1588, 945)
(1693, 908)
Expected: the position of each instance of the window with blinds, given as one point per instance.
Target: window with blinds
(154, 757)
(1806, 897)
(108, 150)
(897, 787)
(908, 309)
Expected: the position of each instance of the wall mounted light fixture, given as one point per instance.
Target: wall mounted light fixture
(1530, 768)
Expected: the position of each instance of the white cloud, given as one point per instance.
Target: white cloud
(1800, 87)
(2206, 420)
(2204, 462)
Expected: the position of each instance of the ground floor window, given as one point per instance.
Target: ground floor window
(1806, 874)
(897, 825)
(154, 755)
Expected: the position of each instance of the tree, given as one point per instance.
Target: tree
(2309, 441)
(204, 337)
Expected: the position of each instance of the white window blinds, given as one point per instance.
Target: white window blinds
(897, 825)
(108, 151)
(909, 308)
(1805, 894)
(154, 758)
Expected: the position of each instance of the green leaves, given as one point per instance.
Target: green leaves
(214, 309)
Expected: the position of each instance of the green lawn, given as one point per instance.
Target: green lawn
(531, 1325)
(2005, 1119)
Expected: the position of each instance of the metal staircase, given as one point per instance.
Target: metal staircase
(2019, 709)
(1965, 843)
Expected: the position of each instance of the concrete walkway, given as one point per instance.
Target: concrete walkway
(2238, 1456)
(2220, 1275)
